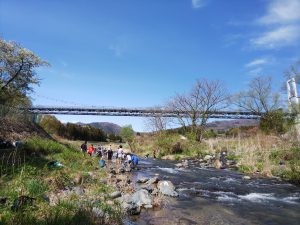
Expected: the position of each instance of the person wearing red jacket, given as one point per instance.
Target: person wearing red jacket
(91, 150)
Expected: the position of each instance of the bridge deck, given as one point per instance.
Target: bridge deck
(136, 112)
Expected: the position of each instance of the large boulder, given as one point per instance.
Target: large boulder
(141, 198)
(131, 209)
(167, 188)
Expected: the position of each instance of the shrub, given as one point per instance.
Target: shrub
(177, 148)
(275, 122)
(245, 169)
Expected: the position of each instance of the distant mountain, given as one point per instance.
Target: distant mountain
(222, 125)
(107, 127)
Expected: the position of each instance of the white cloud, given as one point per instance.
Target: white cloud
(278, 37)
(257, 62)
(282, 24)
(198, 3)
(281, 12)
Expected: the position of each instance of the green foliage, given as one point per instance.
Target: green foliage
(17, 66)
(71, 131)
(275, 122)
(35, 187)
(293, 174)
(291, 160)
(127, 134)
(34, 179)
(210, 134)
(245, 169)
(43, 146)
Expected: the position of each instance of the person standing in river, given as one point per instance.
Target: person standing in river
(120, 154)
(109, 156)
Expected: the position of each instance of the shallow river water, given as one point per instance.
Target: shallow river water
(211, 196)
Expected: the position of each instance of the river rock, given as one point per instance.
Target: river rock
(217, 164)
(142, 180)
(149, 187)
(78, 179)
(131, 209)
(179, 165)
(141, 198)
(185, 163)
(207, 157)
(112, 171)
(97, 212)
(121, 170)
(167, 188)
(246, 177)
(79, 190)
(115, 194)
(153, 180)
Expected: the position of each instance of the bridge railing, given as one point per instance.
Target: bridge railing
(138, 112)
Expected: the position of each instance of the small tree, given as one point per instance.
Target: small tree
(17, 72)
(259, 98)
(127, 134)
(196, 107)
(158, 123)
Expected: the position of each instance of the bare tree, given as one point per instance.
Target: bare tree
(158, 122)
(196, 107)
(259, 98)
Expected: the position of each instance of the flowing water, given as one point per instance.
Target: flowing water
(211, 196)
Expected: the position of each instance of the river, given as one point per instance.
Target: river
(217, 197)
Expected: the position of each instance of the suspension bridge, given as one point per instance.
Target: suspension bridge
(136, 112)
(152, 112)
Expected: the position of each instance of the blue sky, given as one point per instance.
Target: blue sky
(139, 53)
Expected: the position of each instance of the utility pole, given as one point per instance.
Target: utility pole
(293, 100)
(292, 92)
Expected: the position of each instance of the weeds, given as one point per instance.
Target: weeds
(25, 173)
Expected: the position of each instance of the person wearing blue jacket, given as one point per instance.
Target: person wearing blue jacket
(134, 161)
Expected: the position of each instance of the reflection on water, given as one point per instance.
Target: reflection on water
(209, 196)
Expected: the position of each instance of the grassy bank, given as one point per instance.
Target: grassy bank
(35, 190)
(256, 153)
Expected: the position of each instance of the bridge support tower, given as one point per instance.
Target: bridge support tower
(293, 100)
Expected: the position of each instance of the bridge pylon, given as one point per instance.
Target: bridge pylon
(293, 100)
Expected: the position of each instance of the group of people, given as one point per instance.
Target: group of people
(125, 159)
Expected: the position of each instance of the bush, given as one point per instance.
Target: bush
(275, 122)
(177, 148)
(245, 169)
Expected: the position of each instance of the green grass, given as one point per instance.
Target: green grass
(33, 178)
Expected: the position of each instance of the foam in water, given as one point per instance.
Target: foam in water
(168, 170)
(229, 180)
(226, 198)
(257, 197)
(263, 197)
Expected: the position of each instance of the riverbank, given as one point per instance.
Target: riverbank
(45, 182)
(58, 184)
(214, 196)
(253, 154)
